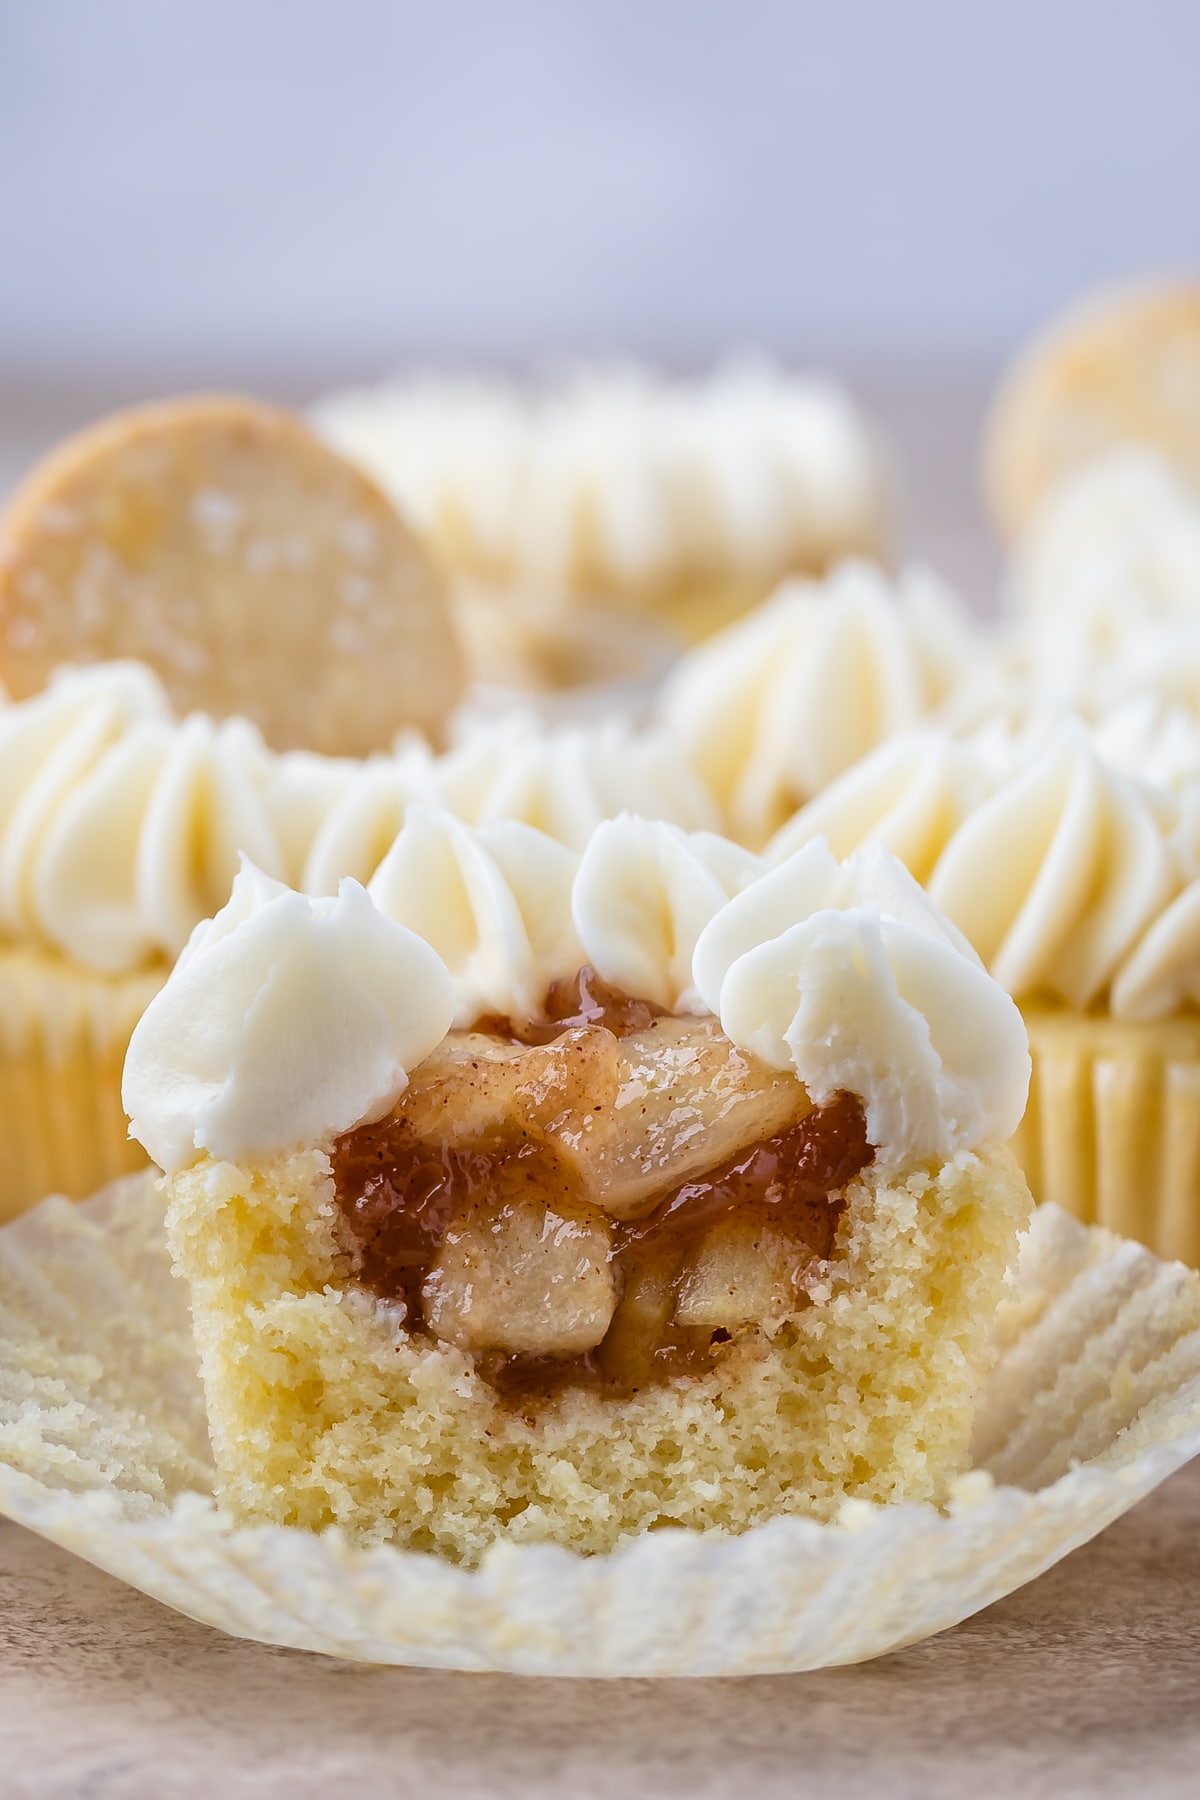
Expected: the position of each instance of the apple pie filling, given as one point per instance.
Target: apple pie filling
(606, 1195)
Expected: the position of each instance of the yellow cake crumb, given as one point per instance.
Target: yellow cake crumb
(323, 1409)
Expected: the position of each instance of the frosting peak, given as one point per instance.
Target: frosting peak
(1055, 876)
(611, 478)
(775, 707)
(288, 1019)
(494, 903)
(285, 1019)
(643, 894)
(848, 974)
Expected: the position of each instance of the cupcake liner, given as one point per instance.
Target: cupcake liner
(63, 1036)
(1095, 1400)
(1112, 1131)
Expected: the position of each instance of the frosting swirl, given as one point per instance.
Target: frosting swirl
(847, 974)
(643, 894)
(562, 782)
(289, 1019)
(910, 795)
(285, 1018)
(613, 479)
(1056, 875)
(119, 829)
(774, 708)
(121, 826)
(494, 903)
(1116, 543)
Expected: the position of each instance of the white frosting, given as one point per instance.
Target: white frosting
(286, 1020)
(774, 708)
(1116, 542)
(148, 842)
(567, 780)
(1161, 973)
(363, 817)
(613, 478)
(494, 903)
(848, 975)
(1151, 738)
(560, 781)
(1056, 875)
(1108, 580)
(121, 827)
(643, 894)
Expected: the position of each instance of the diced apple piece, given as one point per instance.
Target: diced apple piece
(522, 1276)
(633, 1117)
(745, 1272)
(687, 1101)
(476, 1090)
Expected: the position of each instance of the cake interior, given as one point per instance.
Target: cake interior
(594, 1274)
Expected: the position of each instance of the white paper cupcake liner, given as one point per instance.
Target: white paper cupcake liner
(103, 1449)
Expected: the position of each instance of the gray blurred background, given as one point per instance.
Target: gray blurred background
(286, 194)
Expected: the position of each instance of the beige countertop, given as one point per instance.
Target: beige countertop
(1085, 1683)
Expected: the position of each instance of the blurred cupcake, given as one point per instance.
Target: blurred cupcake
(677, 502)
(1117, 539)
(779, 704)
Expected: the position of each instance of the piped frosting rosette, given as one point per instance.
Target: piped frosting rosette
(779, 705)
(121, 827)
(619, 485)
(1105, 588)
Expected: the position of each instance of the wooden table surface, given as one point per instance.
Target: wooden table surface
(1086, 1683)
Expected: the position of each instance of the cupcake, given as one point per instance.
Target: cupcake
(1078, 883)
(778, 705)
(614, 489)
(121, 827)
(548, 1199)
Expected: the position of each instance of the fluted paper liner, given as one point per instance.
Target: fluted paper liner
(103, 1449)
(1112, 1130)
(64, 1031)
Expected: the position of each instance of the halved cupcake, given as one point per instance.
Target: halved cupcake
(560, 1200)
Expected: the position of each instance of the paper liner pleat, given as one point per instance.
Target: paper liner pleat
(1112, 1129)
(64, 1031)
(1094, 1401)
